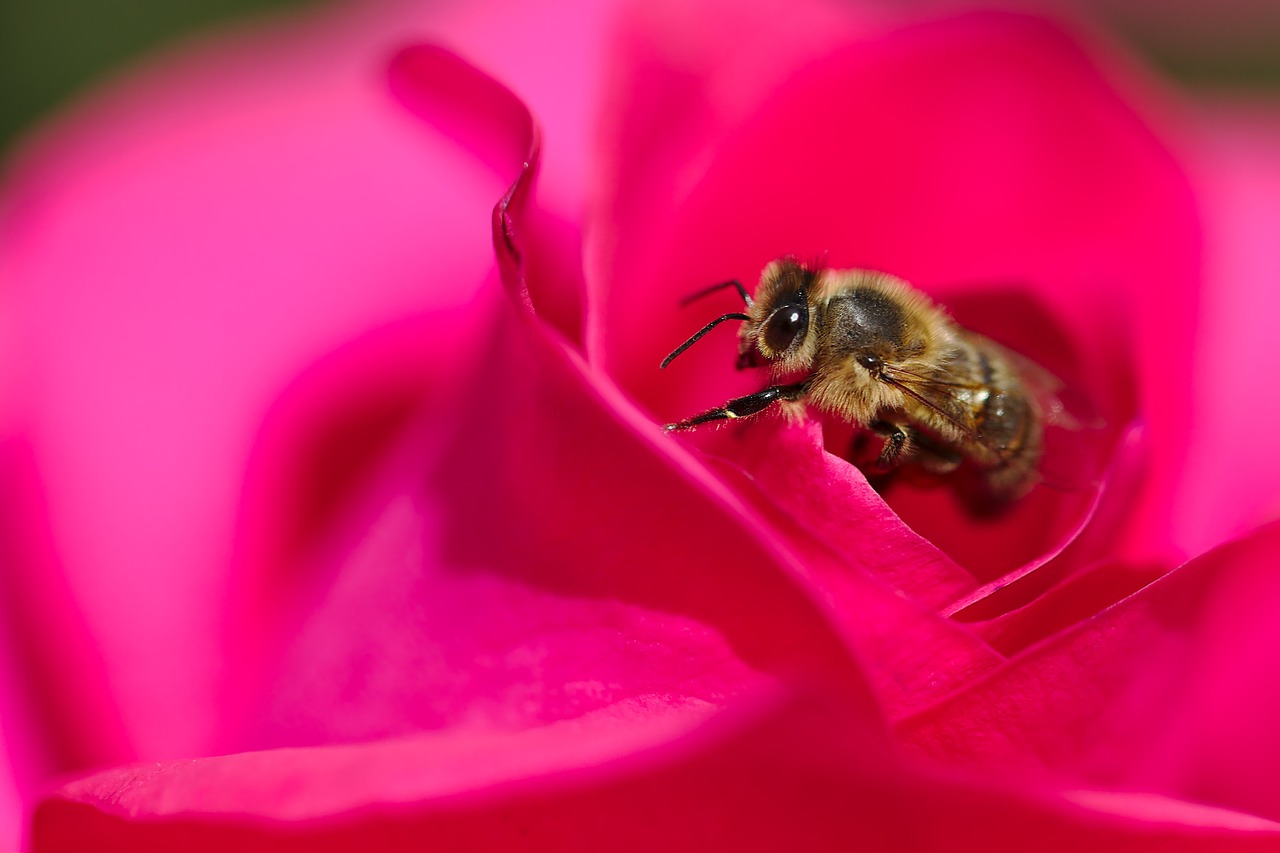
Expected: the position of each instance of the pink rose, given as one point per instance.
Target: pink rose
(328, 528)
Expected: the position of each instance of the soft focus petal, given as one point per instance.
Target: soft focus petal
(775, 778)
(500, 578)
(55, 708)
(1011, 611)
(679, 80)
(910, 655)
(1173, 690)
(176, 255)
(20, 763)
(296, 472)
(982, 149)
(522, 545)
(1234, 460)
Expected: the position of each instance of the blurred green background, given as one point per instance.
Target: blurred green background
(51, 49)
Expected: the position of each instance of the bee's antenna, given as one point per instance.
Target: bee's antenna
(698, 334)
(734, 283)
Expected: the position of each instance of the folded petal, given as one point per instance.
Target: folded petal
(1172, 690)
(1233, 461)
(778, 775)
(173, 257)
(985, 158)
(909, 655)
(533, 558)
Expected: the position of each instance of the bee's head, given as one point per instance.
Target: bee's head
(776, 328)
(779, 326)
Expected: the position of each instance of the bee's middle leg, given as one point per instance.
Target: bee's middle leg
(742, 407)
(897, 445)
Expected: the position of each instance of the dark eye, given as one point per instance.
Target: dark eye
(784, 326)
(869, 361)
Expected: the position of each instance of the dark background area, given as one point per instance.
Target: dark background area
(52, 49)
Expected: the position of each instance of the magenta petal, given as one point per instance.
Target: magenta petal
(173, 259)
(912, 655)
(1173, 690)
(613, 779)
(21, 761)
(1073, 600)
(517, 576)
(1231, 486)
(510, 579)
(834, 503)
(777, 776)
(485, 115)
(1094, 533)
(464, 103)
(967, 154)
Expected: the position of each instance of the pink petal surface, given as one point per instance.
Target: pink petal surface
(49, 670)
(1173, 690)
(459, 596)
(911, 655)
(534, 557)
(1231, 481)
(628, 647)
(981, 149)
(1024, 589)
(780, 776)
(171, 280)
(679, 80)
(174, 255)
(19, 761)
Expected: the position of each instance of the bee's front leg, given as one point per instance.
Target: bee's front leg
(741, 407)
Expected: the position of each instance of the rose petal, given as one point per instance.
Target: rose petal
(982, 148)
(1096, 534)
(1073, 600)
(21, 761)
(679, 79)
(521, 655)
(520, 575)
(1230, 482)
(773, 778)
(833, 501)
(911, 656)
(175, 256)
(1173, 690)
(914, 656)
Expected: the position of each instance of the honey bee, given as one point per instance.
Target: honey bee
(868, 348)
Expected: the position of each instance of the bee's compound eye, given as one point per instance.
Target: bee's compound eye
(869, 361)
(784, 326)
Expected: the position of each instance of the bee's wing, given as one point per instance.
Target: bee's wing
(951, 397)
(941, 394)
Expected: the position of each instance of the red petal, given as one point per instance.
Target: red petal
(1232, 468)
(1174, 690)
(174, 257)
(773, 778)
(534, 558)
(979, 149)
(914, 656)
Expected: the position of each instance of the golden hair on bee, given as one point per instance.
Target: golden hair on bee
(869, 348)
